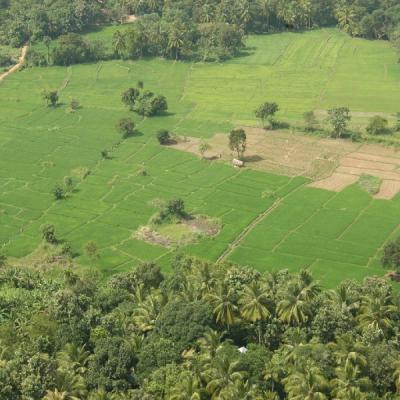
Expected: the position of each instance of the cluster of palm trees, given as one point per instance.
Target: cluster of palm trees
(272, 336)
(355, 17)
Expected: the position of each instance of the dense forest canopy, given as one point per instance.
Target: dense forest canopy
(206, 331)
(23, 20)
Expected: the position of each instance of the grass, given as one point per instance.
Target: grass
(336, 235)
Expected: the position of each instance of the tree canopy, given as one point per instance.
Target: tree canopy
(205, 331)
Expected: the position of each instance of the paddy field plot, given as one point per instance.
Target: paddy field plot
(337, 234)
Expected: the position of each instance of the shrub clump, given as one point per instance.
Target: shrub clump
(164, 136)
(378, 126)
(144, 102)
(172, 210)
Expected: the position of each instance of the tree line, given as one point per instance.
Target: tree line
(204, 29)
(205, 331)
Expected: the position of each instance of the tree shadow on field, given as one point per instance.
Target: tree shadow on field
(246, 52)
(164, 114)
(134, 134)
(253, 158)
(280, 125)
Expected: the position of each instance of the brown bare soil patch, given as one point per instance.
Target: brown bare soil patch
(373, 157)
(279, 152)
(366, 171)
(130, 18)
(388, 190)
(332, 164)
(336, 182)
(179, 234)
(150, 235)
(366, 164)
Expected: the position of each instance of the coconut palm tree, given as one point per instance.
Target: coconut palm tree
(211, 342)
(207, 12)
(57, 395)
(346, 16)
(307, 385)
(203, 276)
(348, 380)
(220, 373)
(294, 309)
(99, 394)
(378, 312)
(396, 375)
(176, 41)
(188, 389)
(119, 43)
(71, 384)
(310, 288)
(73, 357)
(147, 312)
(343, 298)
(225, 309)
(242, 390)
(254, 303)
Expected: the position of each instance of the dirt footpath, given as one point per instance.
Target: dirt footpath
(16, 66)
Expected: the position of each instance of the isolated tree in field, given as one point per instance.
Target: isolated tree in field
(51, 97)
(159, 105)
(49, 233)
(204, 147)
(339, 119)
(176, 207)
(237, 142)
(119, 44)
(91, 250)
(378, 126)
(130, 96)
(163, 136)
(266, 112)
(310, 121)
(58, 192)
(126, 127)
(391, 255)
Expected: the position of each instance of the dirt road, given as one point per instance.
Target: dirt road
(16, 66)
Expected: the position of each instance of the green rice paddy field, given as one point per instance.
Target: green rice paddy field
(336, 235)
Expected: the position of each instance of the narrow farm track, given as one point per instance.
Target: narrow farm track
(16, 66)
(232, 246)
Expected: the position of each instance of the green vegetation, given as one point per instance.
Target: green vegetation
(144, 102)
(206, 331)
(176, 28)
(237, 142)
(266, 111)
(339, 119)
(126, 127)
(120, 259)
(112, 194)
(391, 255)
(51, 97)
(163, 136)
(378, 126)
